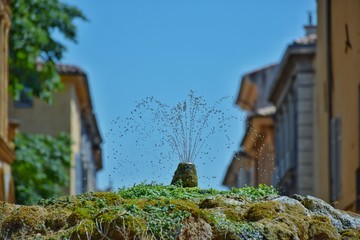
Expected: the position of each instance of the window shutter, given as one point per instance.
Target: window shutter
(79, 174)
(335, 158)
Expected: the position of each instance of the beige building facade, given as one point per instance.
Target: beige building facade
(72, 113)
(293, 96)
(337, 91)
(6, 148)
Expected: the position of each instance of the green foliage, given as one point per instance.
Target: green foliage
(162, 220)
(32, 39)
(230, 228)
(255, 193)
(157, 191)
(41, 168)
(159, 219)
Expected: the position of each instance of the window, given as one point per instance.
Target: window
(25, 100)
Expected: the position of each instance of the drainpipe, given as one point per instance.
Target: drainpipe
(330, 86)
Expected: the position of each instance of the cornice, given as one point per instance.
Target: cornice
(5, 12)
(6, 153)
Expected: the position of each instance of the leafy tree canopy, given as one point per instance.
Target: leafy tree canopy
(31, 40)
(41, 168)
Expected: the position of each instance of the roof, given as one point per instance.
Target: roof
(261, 69)
(305, 46)
(310, 39)
(69, 69)
(247, 94)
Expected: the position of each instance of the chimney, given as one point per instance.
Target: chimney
(310, 28)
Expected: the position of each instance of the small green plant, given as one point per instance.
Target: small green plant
(162, 220)
(255, 192)
(158, 191)
(240, 230)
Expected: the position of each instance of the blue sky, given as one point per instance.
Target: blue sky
(163, 48)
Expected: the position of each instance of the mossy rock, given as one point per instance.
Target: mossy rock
(320, 227)
(350, 234)
(31, 217)
(174, 212)
(185, 175)
(262, 210)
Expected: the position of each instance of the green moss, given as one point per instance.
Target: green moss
(274, 229)
(79, 214)
(5, 209)
(308, 203)
(350, 234)
(83, 230)
(320, 227)
(56, 220)
(234, 214)
(31, 218)
(258, 211)
(210, 203)
(279, 219)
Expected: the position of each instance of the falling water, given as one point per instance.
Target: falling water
(155, 137)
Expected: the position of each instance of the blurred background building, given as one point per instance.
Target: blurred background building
(316, 93)
(72, 113)
(292, 94)
(254, 164)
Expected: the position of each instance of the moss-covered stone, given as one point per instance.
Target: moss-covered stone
(57, 220)
(184, 213)
(320, 228)
(350, 234)
(210, 203)
(31, 218)
(195, 228)
(185, 175)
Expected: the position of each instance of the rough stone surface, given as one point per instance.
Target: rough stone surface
(195, 229)
(341, 220)
(185, 175)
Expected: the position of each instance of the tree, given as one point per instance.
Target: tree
(41, 169)
(33, 48)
